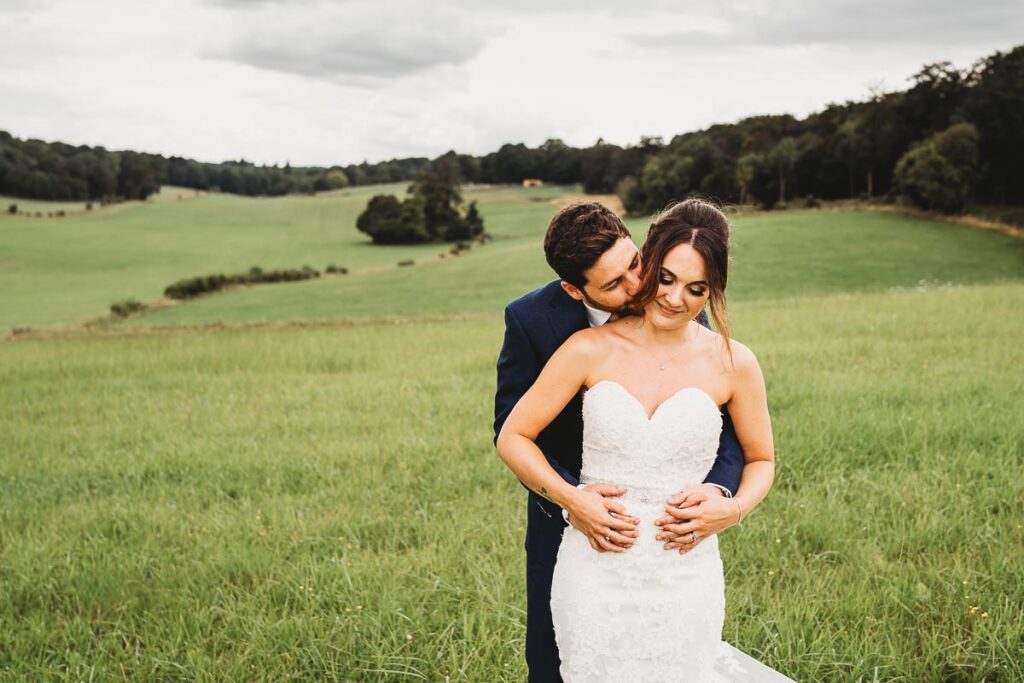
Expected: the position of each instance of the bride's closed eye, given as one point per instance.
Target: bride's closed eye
(693, 292)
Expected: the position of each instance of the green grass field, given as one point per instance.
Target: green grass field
(324, 502)
(61, 271)
(775, 258)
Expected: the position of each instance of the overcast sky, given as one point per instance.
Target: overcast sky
(316, 82)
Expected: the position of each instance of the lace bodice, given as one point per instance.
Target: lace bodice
(651, 457)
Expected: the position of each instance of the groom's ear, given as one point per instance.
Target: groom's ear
(572, 290)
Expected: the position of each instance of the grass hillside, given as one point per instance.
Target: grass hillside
(775, 257)
(327, 504)
(67, 270)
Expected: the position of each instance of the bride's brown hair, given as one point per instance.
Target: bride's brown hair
(704, 227)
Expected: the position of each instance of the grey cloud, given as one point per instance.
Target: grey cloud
(250, 4)
(354, 56)
(358, 43)
(855, 24)
(24, 6)
(484, 10)
(914, 22)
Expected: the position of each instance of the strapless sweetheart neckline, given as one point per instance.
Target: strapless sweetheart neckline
(640, 404)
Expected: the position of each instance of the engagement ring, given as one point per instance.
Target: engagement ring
(693, 535)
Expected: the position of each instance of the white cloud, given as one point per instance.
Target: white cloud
(317, 82)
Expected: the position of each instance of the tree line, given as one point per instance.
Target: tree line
(953, 136)
(54, 170)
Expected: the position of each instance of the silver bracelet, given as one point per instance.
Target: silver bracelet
(565, 513)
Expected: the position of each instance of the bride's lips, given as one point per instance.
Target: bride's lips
(668, 311)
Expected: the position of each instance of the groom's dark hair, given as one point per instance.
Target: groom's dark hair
(577, 237)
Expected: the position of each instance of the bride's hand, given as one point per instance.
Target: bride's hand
(701, 510)
(604, 522)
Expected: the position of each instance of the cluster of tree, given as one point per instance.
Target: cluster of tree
(874, 147)
(939, 172)
(953, 136)
(433, 211)
(41, 170)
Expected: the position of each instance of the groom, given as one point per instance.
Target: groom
(599, 270)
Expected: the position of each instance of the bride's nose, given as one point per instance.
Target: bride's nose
(674, 297)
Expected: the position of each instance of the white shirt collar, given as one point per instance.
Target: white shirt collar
(596, 317)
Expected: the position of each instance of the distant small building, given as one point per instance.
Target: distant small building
(533, 182)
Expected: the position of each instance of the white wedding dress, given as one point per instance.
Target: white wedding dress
(647, 614)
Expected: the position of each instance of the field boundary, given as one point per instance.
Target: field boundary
(966, 220)
(100, 329)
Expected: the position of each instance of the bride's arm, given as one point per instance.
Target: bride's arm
(749, 410)
(560, 380)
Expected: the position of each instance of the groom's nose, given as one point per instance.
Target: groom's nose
(632, 283)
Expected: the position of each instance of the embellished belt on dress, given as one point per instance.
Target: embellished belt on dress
(642, 494)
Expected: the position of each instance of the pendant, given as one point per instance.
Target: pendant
(661, 365)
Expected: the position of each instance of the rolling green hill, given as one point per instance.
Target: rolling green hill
(67, 270)
(776, 257)
(63, 271)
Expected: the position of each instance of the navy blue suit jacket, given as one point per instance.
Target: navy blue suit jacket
(536, 324)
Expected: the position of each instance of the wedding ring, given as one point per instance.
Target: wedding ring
(693, 535)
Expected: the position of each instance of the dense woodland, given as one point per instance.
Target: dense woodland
(952, 138)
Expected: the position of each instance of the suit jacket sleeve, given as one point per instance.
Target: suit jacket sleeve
(518, 368)
(729, 464)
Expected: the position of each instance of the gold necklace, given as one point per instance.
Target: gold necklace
(661, 363)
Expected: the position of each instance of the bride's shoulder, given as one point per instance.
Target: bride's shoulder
(588, 341)
(738, 357)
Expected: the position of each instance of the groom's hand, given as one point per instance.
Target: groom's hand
(604, 522)
(703, 509)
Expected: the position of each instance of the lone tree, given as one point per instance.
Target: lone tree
(433, 213)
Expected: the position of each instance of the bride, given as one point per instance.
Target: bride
(654, 385)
